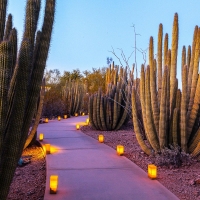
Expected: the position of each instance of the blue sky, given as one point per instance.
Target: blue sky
(86, 30)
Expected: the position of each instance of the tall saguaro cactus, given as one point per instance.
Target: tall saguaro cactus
(20, 79)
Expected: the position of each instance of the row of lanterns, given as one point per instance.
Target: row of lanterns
(46, 120)
(152, 169)
(54, 178)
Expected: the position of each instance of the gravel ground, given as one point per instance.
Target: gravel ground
(184, 181)
(29, 181)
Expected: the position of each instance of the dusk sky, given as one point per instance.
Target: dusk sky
(86, 30)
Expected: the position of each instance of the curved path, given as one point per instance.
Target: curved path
(89, 170)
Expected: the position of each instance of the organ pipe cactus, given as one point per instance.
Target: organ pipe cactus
(73, 93)
(20, 79)
(109, 112)
(179, 110)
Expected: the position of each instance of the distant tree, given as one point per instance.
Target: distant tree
(53, 103)
(95, 79)
(74, 75)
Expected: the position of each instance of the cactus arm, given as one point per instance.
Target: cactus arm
(174, 51)
(159, 54)
(195, 109)
(175, 127)
(196, 151)
(153, 139)
(98, 110)
(38, 67)
(194, 42)
(115, 116)
(10, 156)
(194, 141)
(124, 116)
(188, 59)
(102, 114)
(8, 28)
(38, 116)
(163, 117)
(3, 6)
(195, 73)
(165, 49)
(4, 81)
(153, 93)
(136, 126)
(183, 112)
(90, 109)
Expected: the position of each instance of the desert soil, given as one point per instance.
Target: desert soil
(184, 182)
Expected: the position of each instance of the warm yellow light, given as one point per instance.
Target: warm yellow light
(53, 184)
(77, 126)
(59, 118)
(120, 150)
(65, 116)
(83, 114)
(87, 121)
(76, 114)
(152, 171)
(48, 148)
(41, 136)
(101, 138)
(46, 120)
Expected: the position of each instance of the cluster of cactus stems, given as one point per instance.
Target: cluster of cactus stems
(20, 82)
(111, 111)
(170, 116)
(73, 93)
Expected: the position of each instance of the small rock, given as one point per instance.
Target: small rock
(197, 181)
(17, 173)
(192, 182)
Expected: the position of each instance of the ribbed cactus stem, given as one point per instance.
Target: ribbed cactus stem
(196, 151)
(4, 84)
(8, 27)
(175, 127)
(142, 98)
(183, 114)
(39, 66)
(153, 139)
(165, 49)
(189, 83)
(102, 114)
(195, 140)
(195, 109)
(153, 93)
(174, 51)
(13, 41)
(11, 154)
(159, 59)
(183, 60)
(137, 127)
(3, 6)
(188, 57)
(169, 60)
(195, 73)
(163, 111)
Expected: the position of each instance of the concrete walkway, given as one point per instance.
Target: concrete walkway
(89, 170)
